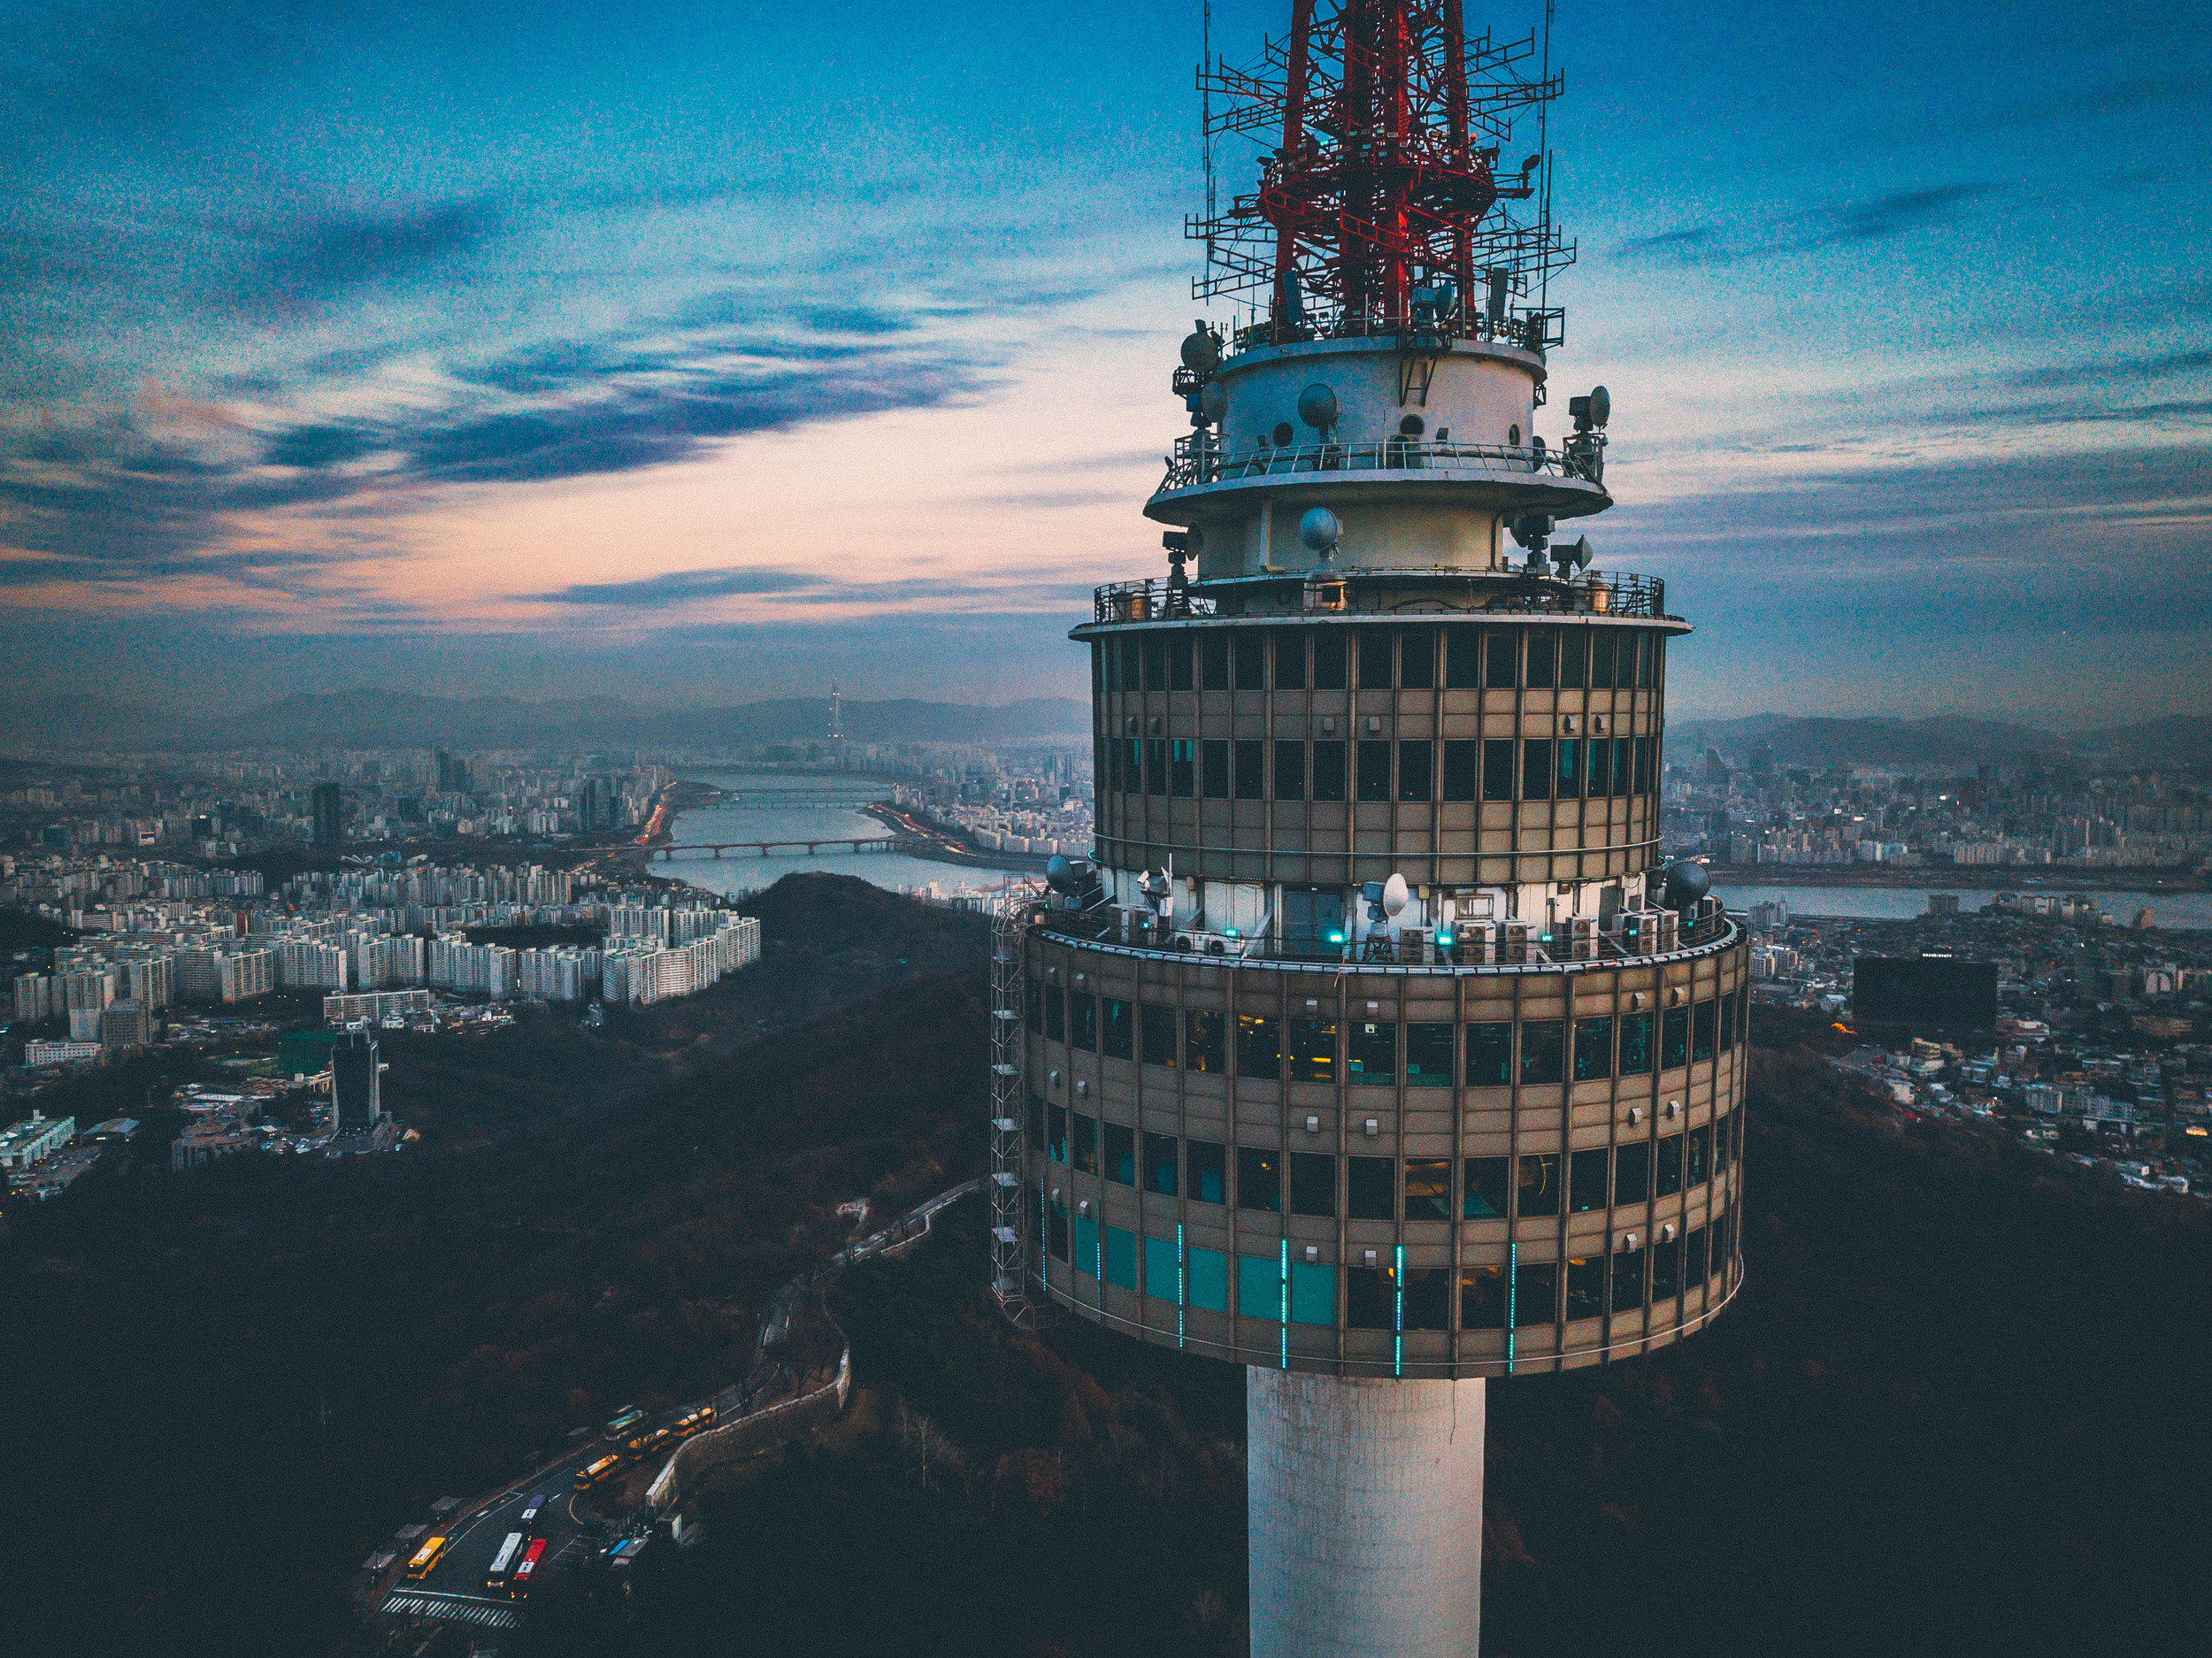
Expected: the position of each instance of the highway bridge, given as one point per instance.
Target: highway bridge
(810, 844)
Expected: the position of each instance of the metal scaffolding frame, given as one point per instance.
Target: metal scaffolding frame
(1010, 1213)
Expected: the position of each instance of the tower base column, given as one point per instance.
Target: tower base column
(1365, 1516)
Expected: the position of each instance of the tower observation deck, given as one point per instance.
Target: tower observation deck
(1376, 1050)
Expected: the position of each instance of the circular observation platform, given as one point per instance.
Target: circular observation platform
(1372, 1168)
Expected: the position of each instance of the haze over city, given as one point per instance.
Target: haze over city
(700, 356)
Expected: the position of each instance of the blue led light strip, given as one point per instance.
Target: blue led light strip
(1286, 1303)
(1182, 1284)
(1398, 1319)
(1512, 1312)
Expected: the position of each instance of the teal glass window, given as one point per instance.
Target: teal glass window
(1209, 1270)
(1121, 1154)
(1260, 1287)
(1593, 1050)
(1635, 1044)
(1542, 1056)
(1674, 1039)
(1207, 1167)
(1121, 1257)
(1489, 1056)
(1087, 1246)
(1118, 1040)
(1159, 1165)
(1312, 1293)
(1159, 1268)
(1371, 1053)
(1428, 1055)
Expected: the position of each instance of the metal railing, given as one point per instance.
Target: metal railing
(1192, 464)
(1382, 950)
(1595, 593)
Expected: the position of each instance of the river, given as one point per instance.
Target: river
(779, 806)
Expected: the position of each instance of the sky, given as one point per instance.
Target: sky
(702, 353)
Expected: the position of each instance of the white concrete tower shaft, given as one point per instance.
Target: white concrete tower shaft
(1365, 1513)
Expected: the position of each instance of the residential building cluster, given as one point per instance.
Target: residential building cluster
(1759, 813)
(1040, 803)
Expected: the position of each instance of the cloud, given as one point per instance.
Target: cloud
(681, 587)
(2117, 97)
(1837, 223)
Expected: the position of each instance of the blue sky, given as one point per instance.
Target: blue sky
(707, 352)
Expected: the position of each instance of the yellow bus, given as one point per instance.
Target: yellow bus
(604, 1467)
(646, 1444)
(703, 1417)
(425, 1557)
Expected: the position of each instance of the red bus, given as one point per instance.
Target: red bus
(526, 1566)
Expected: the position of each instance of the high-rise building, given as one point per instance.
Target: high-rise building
(330, 808)
(125, 1026)
(1379, 1054)
(357, 1089)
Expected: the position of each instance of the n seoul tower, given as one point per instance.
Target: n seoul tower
(1376, 1052)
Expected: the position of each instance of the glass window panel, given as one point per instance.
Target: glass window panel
(1036, 999)
(1670, 1165)
(1694, 1258)
(1585, 1287)
(1208, 1271)
(1250, 776)
(1057, 1131)
(1290, 770)
(1417, 764)
(1156, 1029)
(1155, 662)
(1628, 1280)
(1132, 673)
(1121, 1257)
(1542, 1041)
(1371, 1298)
(1489, 1056)
(1497, 769)
(1586, 1179)
(1085, 1143)
(1483, 1192)
(1635, 1044)
(1056, 1014)
(1416, 659)
(1540, 1185)
(1535, 1293)
(1179, 656)
(1700, 1169)
(1087, 1246)
(1033, 1115)
(1536, 769)
(1623, 749)
(1674, 1039)
(1593, 1050)
(1569, 768)
(1632, 1173)
(1118, 1039)
(1601, 646)
(1312, 1293)
(1371, 1053)
(1574, 651)
(1290, 659)
(1482, 1298)
(1082, 1021)
(1462, 768)
(1259, 1178)
(1701, 1026)
(1312, 1182)
(1374, 659)
(1328, 659)
(1121, 1154)
(1259, 1047)
(1159, 1165)
(1328, 770)
(1429, 1188)
(1056, 1230)
(1543, 665)
(1154, 766)
(1162, 1276)
(1213, 769)
(1428, 1055)
(1647, 649)
(1313, 1049)
(1643, 767)
(1463, 658)
(1428, 1298)
(1213, 662)
(1502, 658)
(1374, 770)
(1260, 1287)
(1207, 1167)
(1182, 769)
(1203, 1039)
(1251, 659)
(1370, 1187)
(1666, 1270)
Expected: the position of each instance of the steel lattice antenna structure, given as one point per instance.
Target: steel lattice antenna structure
(1376, 1048)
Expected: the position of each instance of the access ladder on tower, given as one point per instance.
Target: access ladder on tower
(1008, 1213)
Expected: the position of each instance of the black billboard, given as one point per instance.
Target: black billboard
(1925, 990)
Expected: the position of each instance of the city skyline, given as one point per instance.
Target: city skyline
(712, 358)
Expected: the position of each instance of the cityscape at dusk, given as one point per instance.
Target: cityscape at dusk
(1246, 829)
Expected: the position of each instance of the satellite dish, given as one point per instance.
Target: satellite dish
(1395, 897)
(1600, 405)
(1320, 530)
(1059, 874)
(1685, 884)
(1317, 407)
(1201, 349)
(1213, 402)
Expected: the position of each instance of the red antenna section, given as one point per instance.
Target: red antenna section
(1384, 207)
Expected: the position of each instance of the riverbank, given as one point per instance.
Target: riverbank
(945, 843)
(1937, 880)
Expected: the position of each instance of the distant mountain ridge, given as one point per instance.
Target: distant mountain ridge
(398, 719)
(1950, 744)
